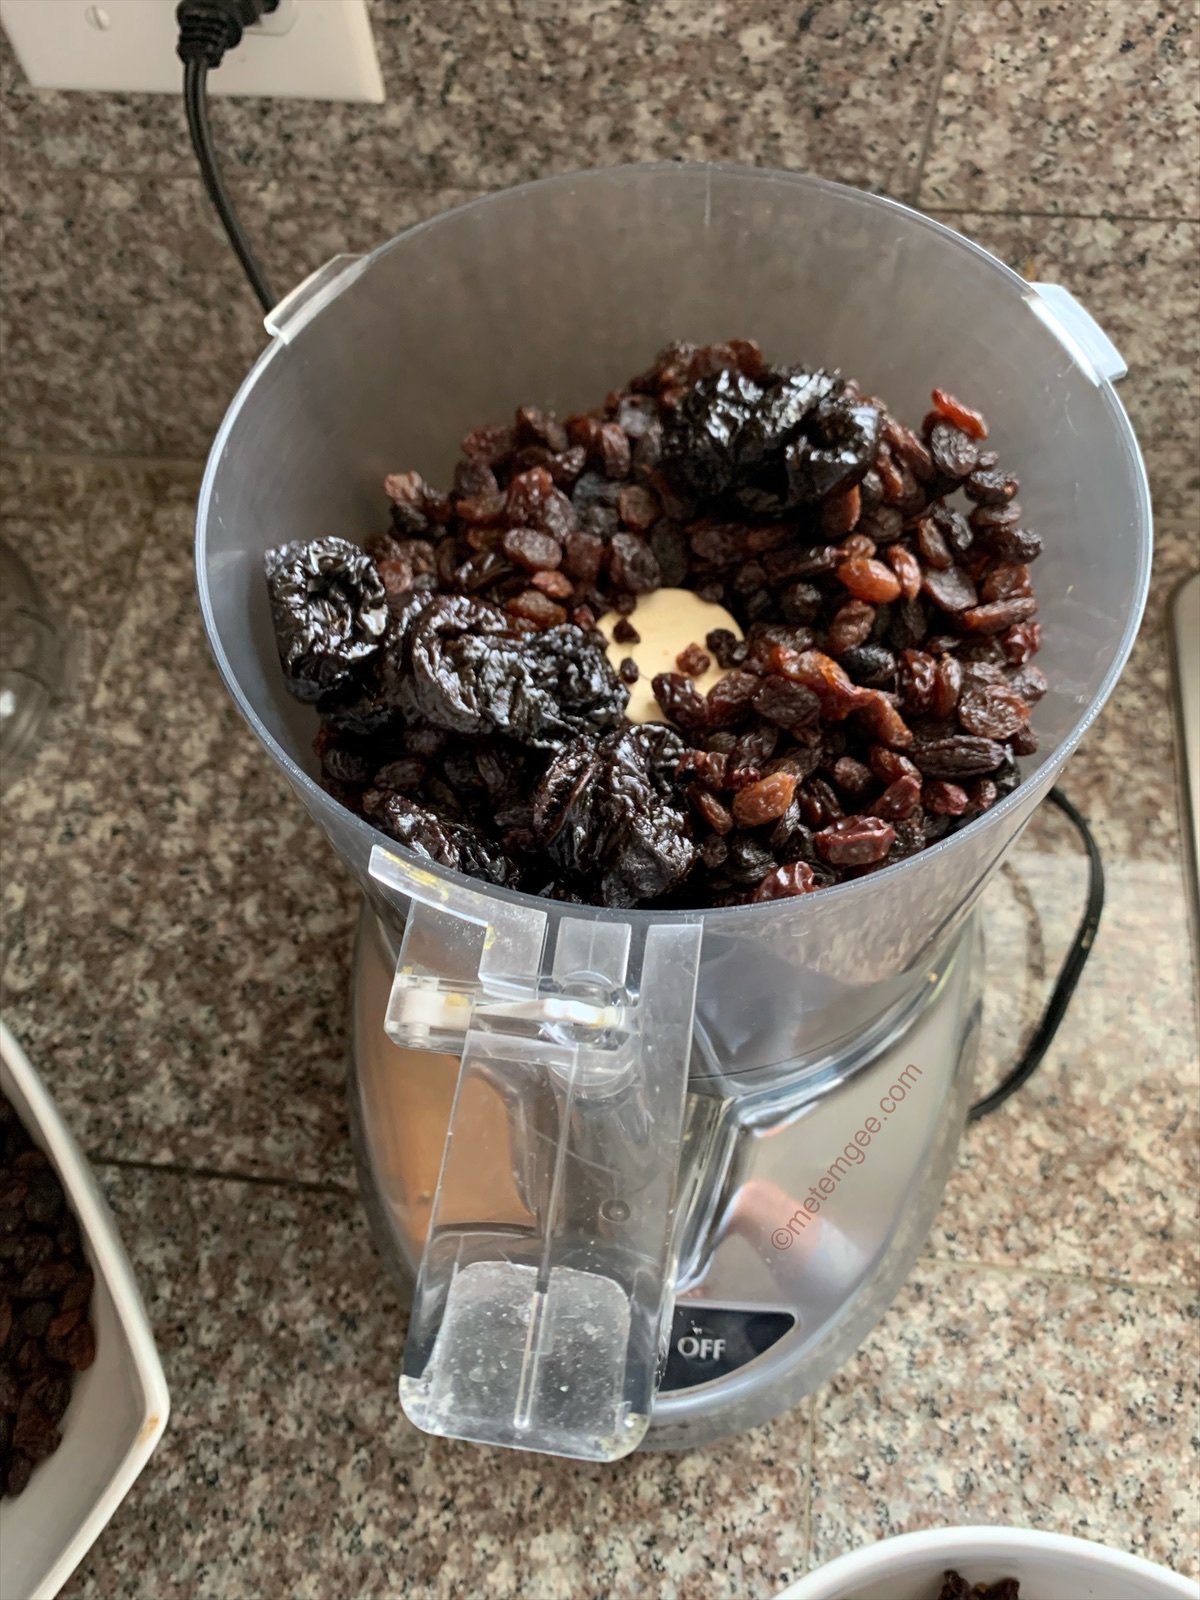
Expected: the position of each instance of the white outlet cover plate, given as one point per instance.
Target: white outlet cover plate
(307, 49)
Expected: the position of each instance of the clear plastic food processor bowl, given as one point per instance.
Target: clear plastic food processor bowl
(539, 1311)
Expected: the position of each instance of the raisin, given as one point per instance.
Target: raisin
(955, 453)
(971, 422)
(899, 799)
(531, 605)
(851, 626)
(855, 841)
(993, 711)
(997, 617)
(852, 777)
(709, 809)
(555, 584)
(992, 488)
(944, 799)
(693, 661)
(785, 882)
(883, 722)
(932, 546)
(870, 665)
(946, 688)
(730, 698)
(1030, 683)
(952, 590)
(726, 648)
(629, 671)
(1011, 543)
(681, 701)
(583, 555)
(1006, 582)
(907, 569)
(634, 565)
(531, 550)
(958, 756)
(869, 580)
(638, 508)
(764, 801)
(883, 525)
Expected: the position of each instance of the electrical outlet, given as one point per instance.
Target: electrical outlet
(306, 49)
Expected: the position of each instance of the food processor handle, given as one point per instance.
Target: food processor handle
(545, 1290)
(299, 305)
(1076, 327)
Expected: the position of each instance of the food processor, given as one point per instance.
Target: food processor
(650, 1176)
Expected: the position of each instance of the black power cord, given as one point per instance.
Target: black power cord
(207, 28)
(1069, 973)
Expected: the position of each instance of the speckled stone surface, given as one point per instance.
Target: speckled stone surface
(992, 1397)
(1061, 107)
(1141, 282)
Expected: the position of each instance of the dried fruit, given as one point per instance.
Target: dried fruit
(784, 882)
(855, 841)
(764, 801)
(605, 809)
(329, 607)
(457, 661)
(45, 1287)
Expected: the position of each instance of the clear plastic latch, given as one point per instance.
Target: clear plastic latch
(547, 1280)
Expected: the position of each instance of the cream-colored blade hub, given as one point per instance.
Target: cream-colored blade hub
(666, 622)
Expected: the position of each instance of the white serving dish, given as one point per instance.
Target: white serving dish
(1048, 1566)
(119, 1406)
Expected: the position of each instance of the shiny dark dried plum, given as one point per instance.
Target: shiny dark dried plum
(605, 814)
(700, 438)
(330, 610)
(469, 674)
(451, 844)
(840, 445)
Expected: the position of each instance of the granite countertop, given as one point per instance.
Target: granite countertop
(176, 953)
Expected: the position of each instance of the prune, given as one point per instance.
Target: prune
(790, 705)
(539, 689)
(841, 444)
(700, 439)
(452, 844)
(330, 611)
(606, 814)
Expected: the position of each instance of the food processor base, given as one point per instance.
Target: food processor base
(803, 1206)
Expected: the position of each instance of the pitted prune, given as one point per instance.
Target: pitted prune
(605, 813)
(452, 844)
(330, 611)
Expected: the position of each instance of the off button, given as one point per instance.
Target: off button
(709, 1342)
